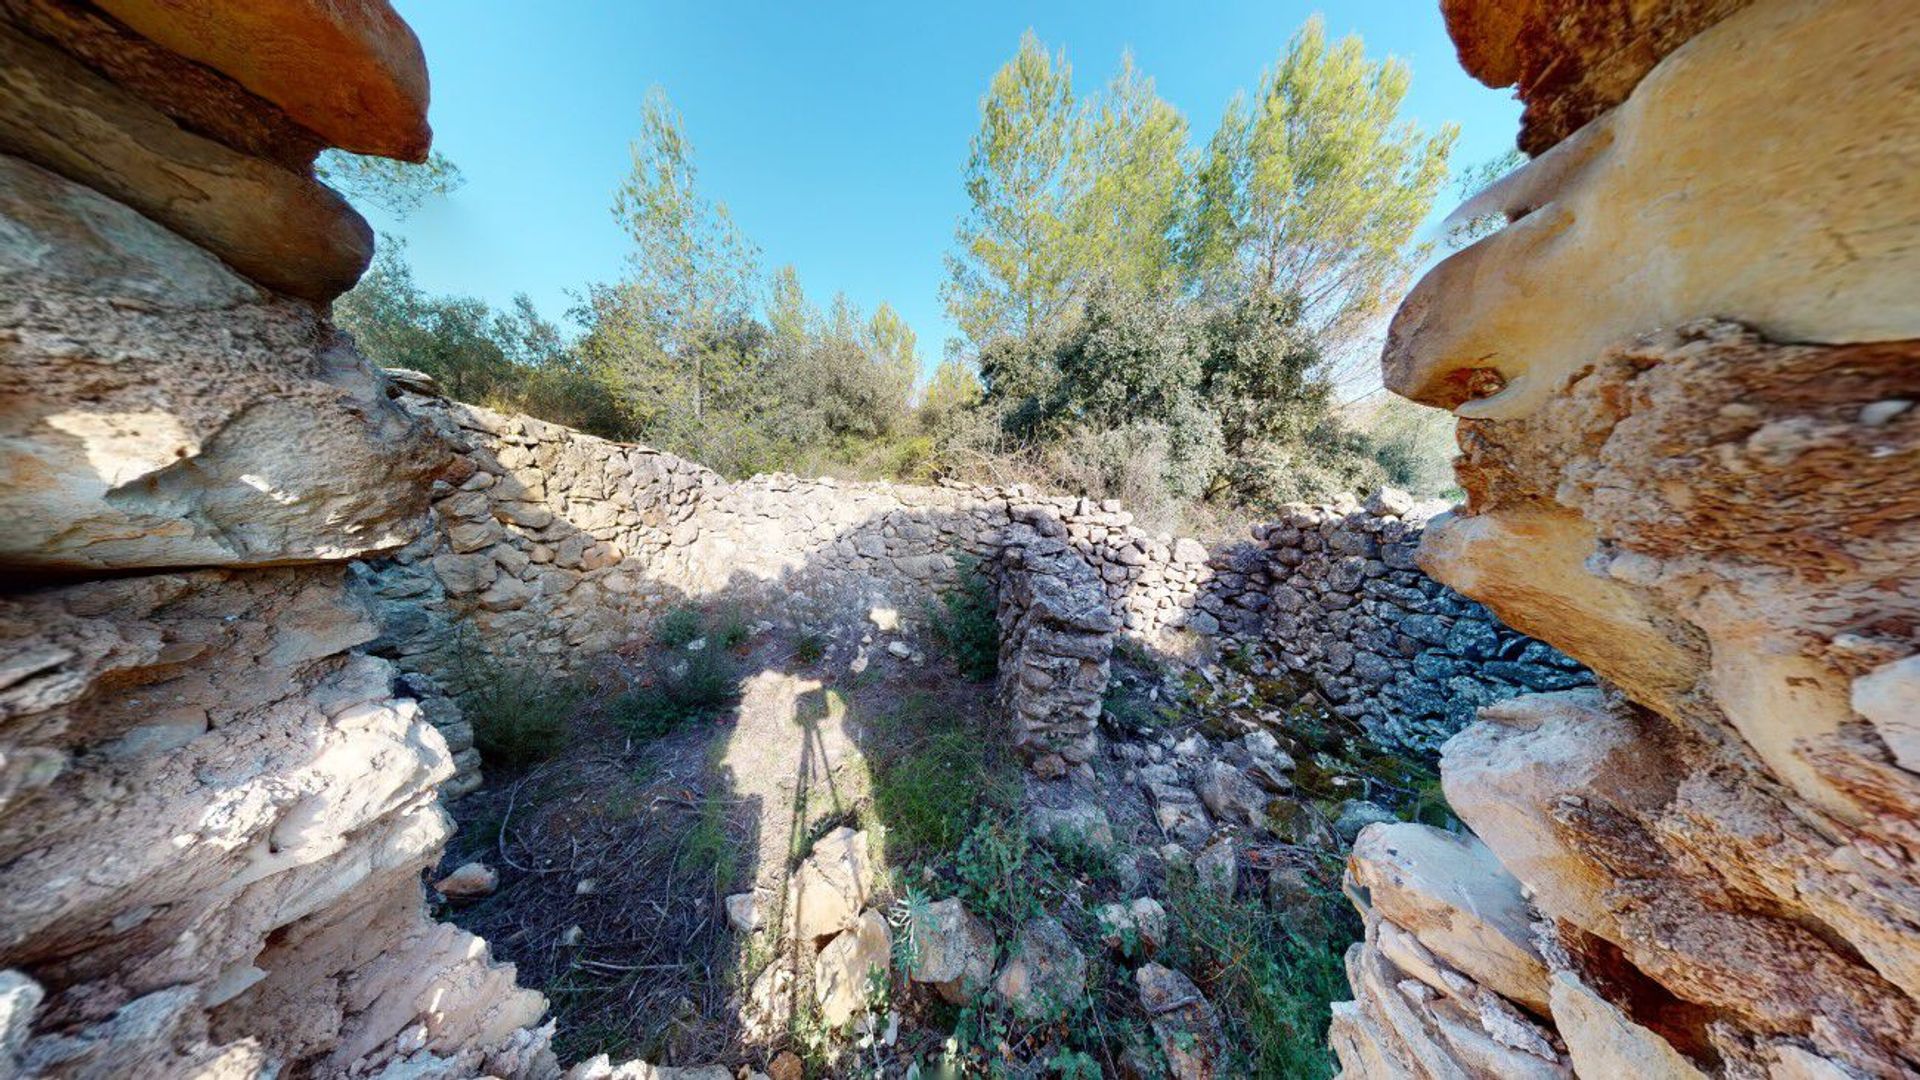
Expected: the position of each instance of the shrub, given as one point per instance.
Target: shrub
(519, 715)
(998, 878)
(1272, 983)
(811, 646)
(965, 625)
(930, 795)
(693, 688)
(731, 629)
(677, 628)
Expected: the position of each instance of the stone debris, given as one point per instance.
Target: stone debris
(1134, 930)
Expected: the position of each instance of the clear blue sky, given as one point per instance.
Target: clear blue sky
(836, 133)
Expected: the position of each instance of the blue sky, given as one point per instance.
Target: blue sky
(836, 133)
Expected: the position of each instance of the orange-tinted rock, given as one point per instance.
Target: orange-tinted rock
(351, 70)
(1571, 60)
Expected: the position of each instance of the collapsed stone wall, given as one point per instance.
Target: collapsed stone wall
(1686, 372)
(215, 808)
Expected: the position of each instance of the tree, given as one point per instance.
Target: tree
(1127, 183)
(953, 389)
(670, 337)
(1009, 275)
(396, 187)
(1314, 190)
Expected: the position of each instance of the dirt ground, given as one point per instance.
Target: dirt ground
(616, 856)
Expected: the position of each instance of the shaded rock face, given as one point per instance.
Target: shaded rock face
(157, 410)
(1718, 516)
(215, 808)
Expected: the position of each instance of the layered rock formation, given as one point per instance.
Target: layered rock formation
(214, 808)
(1688, 372)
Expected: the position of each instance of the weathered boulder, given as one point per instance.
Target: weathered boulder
(276, 226)
(156, 411)
(952, 950)
(1045, 973)
(1184, 1022)
(832, 885)
(353, 72)
(1815, 246)
(1571, 60)
(1604, 1041)
(1453, 895)
(1133, 930)
(843, 972)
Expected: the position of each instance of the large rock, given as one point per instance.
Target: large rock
(1603, 1041)
(207, 792)
(832, 885)
(952, 950)
(156, 410)
(279, 227)
(1673, 207)
(1571, 60)
(1045, 974)
(1184, 1022)
(351, 70)
(844, 971)
(1451, 893)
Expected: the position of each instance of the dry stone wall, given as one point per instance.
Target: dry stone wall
(1686, 372)
(552, 544)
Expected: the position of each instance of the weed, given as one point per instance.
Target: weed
(811, 646)
(995, 872)
(965, 626)
(519, 714)
(1271, 983)
(692, 688)
(732, 628)
(677, 628)
(707, 851)
(928, 796)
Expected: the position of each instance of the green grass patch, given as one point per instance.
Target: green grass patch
(1271, 982)
(678, 627)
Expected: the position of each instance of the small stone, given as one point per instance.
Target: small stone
(1045, 975)
(1218, 866)
(1133, 931)
(470, 882)
(743, 912)
(900, 649)
(786, 1065)
(1357, 814)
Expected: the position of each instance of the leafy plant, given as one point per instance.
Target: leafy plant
(677, 628)
(995, 872)
(965, 625)
(811, 646)
(731, 629)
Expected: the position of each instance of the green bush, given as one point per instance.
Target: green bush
(677, 628)
(697, 687)
(519, 715)
(811, 646)
(930, 795)
(965, 625)
(1272, 982)
(999, 880)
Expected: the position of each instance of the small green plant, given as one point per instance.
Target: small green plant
(677, 628)
(731, 628)
(995, 870)
(693, 687)
(1271, 983)
(707, 851)
(519, 714)
(966, 627)
(929, 796)
(1075, 1065)
(811, 646)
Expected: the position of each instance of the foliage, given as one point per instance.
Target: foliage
(964, 623)
(995, 874)
(811, 646)
(1413, 444)
(928, 796)
(397, 188)
(1270, 978)
(707, 851)
(698, 686)
(677, 627)
(519, 714)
